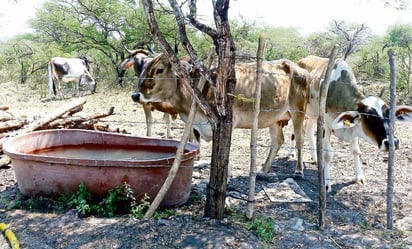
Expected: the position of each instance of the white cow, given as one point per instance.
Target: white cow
(75, 70)
(349, 114)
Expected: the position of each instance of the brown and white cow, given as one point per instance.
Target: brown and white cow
(284, 88)
(75, 70)
(349, 114)
(137, 59)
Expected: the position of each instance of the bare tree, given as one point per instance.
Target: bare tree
(350, 37)
(397, 4)
(219, 113)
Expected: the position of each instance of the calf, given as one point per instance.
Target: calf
(75, 70)
(349, 114)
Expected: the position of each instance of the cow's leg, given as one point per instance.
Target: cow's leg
(327, 158)
(166, 118)
(76, 85)
(148, 115)
(292, 150)
(276, 140)
(309, 128)
(354, 146)
(310, 132)
(297, 119)
(292, 145)
(59, 89)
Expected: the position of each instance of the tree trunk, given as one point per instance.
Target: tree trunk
(222, 132)
(216, 191)
(120, 76)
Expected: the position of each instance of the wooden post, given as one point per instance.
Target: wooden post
(391, 155)
(179, 153)
(252, 173)
(319, 137)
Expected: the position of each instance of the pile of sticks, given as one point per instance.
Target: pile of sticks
(62, 118)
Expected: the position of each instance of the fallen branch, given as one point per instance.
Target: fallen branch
(5, 115)
(11, 125)
(60, 118)
(79, 122)
(36, 125)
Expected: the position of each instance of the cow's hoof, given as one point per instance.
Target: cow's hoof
(360, 182)
(263, 176)
(298, 176)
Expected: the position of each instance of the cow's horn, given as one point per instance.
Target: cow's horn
(129, 51)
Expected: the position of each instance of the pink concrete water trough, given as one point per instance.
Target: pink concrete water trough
(54, 162)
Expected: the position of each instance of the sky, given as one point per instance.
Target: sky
(308, 16)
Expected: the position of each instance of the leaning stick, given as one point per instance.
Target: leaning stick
(179, 153)
(252, 173)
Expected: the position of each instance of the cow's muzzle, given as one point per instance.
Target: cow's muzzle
(136, 97)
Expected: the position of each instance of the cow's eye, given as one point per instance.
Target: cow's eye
(159, 71)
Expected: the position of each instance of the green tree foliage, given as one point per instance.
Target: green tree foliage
(371, 61)
(99, 28)
(90, 27)
(23, 59)
(283, 43)
(319, 43)
(96, 29)
(280, 42)
(399, 38)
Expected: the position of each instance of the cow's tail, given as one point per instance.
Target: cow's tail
(52, 85)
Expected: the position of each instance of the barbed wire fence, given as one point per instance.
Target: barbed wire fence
(133, 85)
(286, 147)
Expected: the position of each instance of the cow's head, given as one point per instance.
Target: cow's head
(157, 82)
(371, 121)
(137, 59)
(87, 80)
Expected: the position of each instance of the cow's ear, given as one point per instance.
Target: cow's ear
(129, 64)
(346, 120)
(403, 113)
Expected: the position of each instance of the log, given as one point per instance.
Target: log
(38, 124)
(6, 116)
(86, 122)
(61, 118)
(11, 125)
(74, 110)
(67, 123)
(103, 115)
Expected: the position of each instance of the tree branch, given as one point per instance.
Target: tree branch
(177, 67)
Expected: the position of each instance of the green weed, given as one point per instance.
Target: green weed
(118, 200)
(263, 227)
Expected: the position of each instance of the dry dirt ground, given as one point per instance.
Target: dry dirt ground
(356, 215)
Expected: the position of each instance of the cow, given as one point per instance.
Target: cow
(75, 70)
(349, 114)
(137, 59)
(284, 88)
